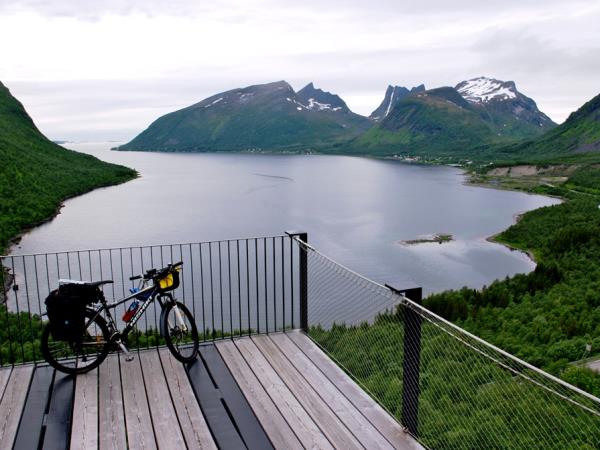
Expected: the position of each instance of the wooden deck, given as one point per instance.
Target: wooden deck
(270, 391)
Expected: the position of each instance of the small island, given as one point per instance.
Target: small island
(440, 238)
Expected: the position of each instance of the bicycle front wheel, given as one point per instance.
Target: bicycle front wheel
(78, 357)
(180, 332)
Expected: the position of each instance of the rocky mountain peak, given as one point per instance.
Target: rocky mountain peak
(393, 94)
(319, 100)
(484, 90)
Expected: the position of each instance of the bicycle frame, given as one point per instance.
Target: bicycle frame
(112, 325)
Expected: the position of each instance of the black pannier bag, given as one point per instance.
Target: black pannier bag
(66, 309)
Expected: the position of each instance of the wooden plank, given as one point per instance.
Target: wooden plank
(307, 431)
(140, 434)
(194, 427)
(164, 418)
(245, 420)
(110, 402)
(58, 420)
(4, 376)
(337, 433)
(350, 416)
(222, 428)
(29, 434)
(84, 432)
(385, 423)
(280, 433)
(12, 404)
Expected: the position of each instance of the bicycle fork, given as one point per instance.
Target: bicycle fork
(179, 319)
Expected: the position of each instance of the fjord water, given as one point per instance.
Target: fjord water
(354, 209)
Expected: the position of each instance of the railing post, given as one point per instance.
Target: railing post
(303, 272)
(412, 360)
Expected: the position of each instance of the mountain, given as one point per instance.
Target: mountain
(393, 95)
(578, 135)
(455, 122)
(269, 117)
(36, 175)
(319, 100)
(509, 112)
(437, 122)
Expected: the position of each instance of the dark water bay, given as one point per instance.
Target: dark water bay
(354, 210)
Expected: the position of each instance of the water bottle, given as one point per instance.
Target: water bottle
(131, 311)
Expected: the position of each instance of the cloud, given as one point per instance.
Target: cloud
(559, 76)
(82, 67)
(237, 10)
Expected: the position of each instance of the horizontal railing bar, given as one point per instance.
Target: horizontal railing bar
(66, 252)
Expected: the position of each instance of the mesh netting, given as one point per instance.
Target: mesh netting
(471, 395)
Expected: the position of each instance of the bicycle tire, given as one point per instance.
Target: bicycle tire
(72, 362)
(183, 347)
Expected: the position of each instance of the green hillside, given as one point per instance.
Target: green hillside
(267, 117)
(578, 138)
(36, 175)
(438, 122)
(452, 124)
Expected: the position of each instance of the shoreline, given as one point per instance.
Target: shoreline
(17, 238)
(467, 174)
(469, 181)
(492, 239)
(6, 275)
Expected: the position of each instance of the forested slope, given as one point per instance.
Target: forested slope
(36, 175)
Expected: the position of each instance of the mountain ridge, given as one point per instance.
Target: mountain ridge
(578, 135)
(265, 117)
(272, 117)
(451, 122)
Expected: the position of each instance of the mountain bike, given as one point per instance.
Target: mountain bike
(84, 351)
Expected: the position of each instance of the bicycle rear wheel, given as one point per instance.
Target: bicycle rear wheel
(180, 332)
(78, 357)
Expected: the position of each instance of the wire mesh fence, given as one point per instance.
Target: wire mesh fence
(468, 393)
(232, 287)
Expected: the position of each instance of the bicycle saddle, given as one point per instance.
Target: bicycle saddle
(87, 283)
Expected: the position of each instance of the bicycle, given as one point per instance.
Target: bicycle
(87, 350)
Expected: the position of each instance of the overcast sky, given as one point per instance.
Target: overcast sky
(104, 70)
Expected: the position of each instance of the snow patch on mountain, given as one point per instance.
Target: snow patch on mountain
(387, 111)
(313, 104)
(215, 102)
(245, 97)
(482, 90)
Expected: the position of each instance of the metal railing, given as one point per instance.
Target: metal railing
(232, 287)
(447, 387)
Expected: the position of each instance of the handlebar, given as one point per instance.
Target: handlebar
(151, 273)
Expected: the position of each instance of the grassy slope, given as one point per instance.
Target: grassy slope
(267, 121)
(576, 140)
(581, 131)
(256, 128)
(435, 123)
(36, 175)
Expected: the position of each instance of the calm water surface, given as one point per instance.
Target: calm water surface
(354, 209)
